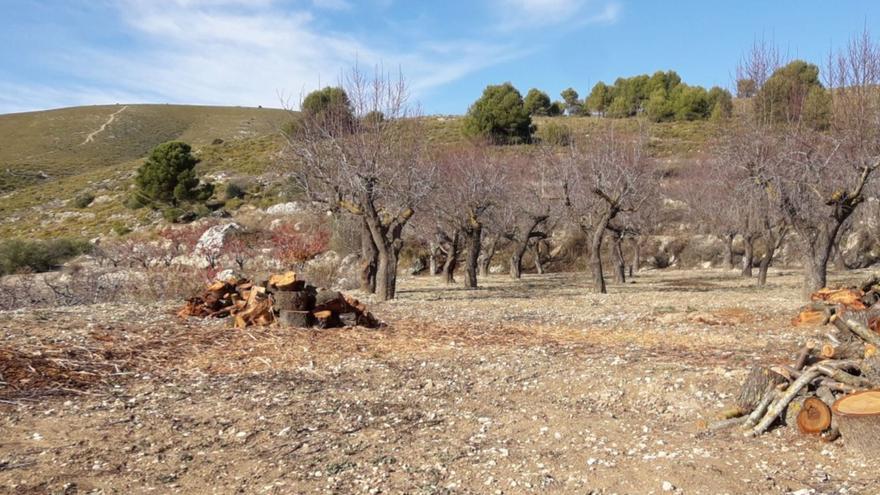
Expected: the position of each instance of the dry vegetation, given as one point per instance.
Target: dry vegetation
(527, 386)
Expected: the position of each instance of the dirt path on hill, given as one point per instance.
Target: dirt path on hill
(91, 137)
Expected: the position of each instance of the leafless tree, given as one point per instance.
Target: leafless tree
(814, 180)
(369, 166)
(601, 178)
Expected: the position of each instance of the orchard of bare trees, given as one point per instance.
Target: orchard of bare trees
(785, 172)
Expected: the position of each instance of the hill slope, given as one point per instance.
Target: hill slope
(49, 158)
(35, 146)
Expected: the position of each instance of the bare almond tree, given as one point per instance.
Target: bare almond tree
(815, 179)
(471, 182)
(366, 157)
(602, 178)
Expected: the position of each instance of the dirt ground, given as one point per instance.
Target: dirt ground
(535, 386)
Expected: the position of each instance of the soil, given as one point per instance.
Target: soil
(531, 386)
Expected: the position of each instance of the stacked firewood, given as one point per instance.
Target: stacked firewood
(283, 299)
(832, 389)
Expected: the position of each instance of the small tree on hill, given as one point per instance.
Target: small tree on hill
(573, 105)
(537, 102)
(168, 176)
(499, 115)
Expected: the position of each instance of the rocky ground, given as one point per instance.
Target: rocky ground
(534, 386)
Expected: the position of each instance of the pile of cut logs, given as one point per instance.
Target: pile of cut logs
(282, 299)
(833, 387)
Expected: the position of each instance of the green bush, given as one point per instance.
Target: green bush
(168, 176)
(121, 229)
(172, 214)
(17, 255)
(554, 134)
(83, 200)
(134, 202)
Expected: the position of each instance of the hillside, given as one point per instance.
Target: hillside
(48, 158)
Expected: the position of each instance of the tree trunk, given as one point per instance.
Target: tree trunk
(764, 266)
(596, 253)
(516, 259)
(619, 260)
(369, 260)
(432, 259)
(636, 257)
(748, 257)
(727, 262)
(816, 255)
(451, 259)
(473, 236)
(486, 255)
(536, 256)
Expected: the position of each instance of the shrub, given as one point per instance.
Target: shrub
(172, 214)
(554, 134)
(234, 191)
(17, 254)
(83, 200)
(134, 202)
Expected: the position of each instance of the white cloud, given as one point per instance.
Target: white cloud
(516, 14)
(236, 52)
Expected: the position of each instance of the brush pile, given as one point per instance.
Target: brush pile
(282, 299)
(830, 388)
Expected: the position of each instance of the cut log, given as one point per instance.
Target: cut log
(286, 281)
(870, 350)
(326, 319)
(298, 319)
(852, 350)
(856, 328)
(330, 300)
(814, 416)
(849, 298)
(810, 317)
(299, 300)
(804, 355)
(755, 387)
(858, 417)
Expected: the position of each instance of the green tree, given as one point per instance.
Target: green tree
(692, 103)
(619, 108)
(782, 97)
(720, 103)
(168, 175)
(326, 100)
(499, 115)
(556, 109)
(573, 105)
(817, 109)
(659, 108)
(537, 102)
(599, 98)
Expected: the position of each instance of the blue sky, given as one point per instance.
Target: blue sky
(56, 53)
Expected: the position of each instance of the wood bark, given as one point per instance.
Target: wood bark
(451, 258)
(487, 253)
(636, 257)
(748, 259)
(369, 260)
(727, 260)
(473, 239)
(858, 417)
(596, 251)
(619, 260)
(521, 244)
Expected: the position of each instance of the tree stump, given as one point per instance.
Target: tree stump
(858, 417)
(330, 300)
(348, 319)
(299, 319)
(299, 300)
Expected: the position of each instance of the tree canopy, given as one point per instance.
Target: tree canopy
(662, 97)
(537, 102)
(499, 115)
(168, 175)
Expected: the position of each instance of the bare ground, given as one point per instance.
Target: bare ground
(534, 386)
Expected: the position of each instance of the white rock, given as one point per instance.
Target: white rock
(291, 208)
(667, 486)
(213, 238)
